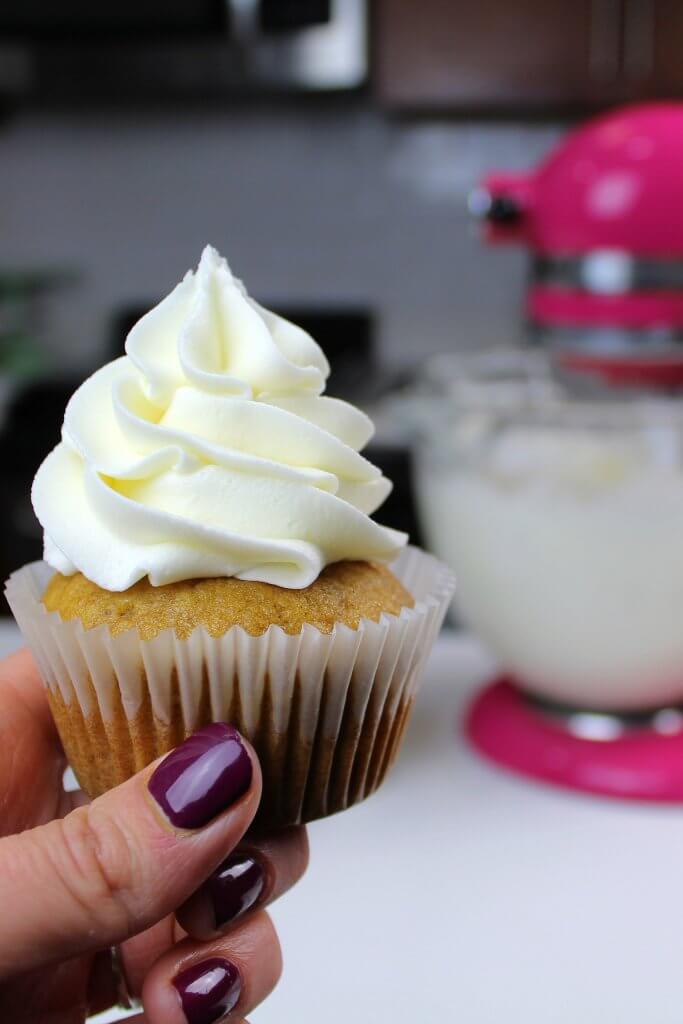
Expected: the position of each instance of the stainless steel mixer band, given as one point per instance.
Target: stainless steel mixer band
(607, 339)
(609, 272)
(608, 725)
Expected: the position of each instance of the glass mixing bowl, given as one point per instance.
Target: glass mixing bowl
(563, 520)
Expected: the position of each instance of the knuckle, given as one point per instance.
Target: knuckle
(288, 854)
(255, 948)
(95, 862)
(267, 951)
(276, 961)
(301, 852)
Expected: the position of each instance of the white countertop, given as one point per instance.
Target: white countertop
(458, 893)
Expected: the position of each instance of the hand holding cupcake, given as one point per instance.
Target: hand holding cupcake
(210, 556)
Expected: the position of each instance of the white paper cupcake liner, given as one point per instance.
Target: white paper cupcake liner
(325, 711)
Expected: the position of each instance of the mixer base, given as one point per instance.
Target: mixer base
(643, 763)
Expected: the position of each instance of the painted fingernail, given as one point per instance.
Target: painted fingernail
(208, 990)
(202, 777)
(235, 887)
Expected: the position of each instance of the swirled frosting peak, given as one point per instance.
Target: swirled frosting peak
(209, 450)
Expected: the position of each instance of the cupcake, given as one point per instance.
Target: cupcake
(209, 556)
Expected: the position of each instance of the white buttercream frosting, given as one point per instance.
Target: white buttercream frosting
(567, 543)
(209, 450)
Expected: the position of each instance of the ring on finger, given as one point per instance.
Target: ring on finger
(124, 999)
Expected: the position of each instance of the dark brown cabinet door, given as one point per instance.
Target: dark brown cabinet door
(497, 53)
(652, 61)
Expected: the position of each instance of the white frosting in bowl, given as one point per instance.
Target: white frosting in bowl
(568, 550)
(209, 450)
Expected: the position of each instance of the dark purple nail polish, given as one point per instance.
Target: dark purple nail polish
(234, 887)
(208, 990)
(203, 776)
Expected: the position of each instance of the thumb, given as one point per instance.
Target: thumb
(118, 865)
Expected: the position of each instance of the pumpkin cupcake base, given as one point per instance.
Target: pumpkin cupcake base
(325, 711)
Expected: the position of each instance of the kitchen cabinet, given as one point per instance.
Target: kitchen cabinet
(530, 54)
(653, 46)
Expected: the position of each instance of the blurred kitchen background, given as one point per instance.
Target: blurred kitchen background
(327, 147)
(332, 151)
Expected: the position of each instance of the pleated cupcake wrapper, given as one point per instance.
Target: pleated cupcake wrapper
(325, 712)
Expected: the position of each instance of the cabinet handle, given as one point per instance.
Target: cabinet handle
(638, 55)
(603, 42)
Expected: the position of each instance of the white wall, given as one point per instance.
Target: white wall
(308, 205)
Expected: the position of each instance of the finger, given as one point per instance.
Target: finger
(140, 953)
(135, 958)
(203, 981)
(31, 757)
(141, 1019)
(120, 864)
(45, 996)
(76, 798)
(255, 874)
(20, 683)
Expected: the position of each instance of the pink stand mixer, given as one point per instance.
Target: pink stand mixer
(603, 219)
(567, 516)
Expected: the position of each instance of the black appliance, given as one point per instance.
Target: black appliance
(79, 52)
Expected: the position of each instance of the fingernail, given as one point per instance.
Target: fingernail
(235, 887)
(208, 990)
(202, 777)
